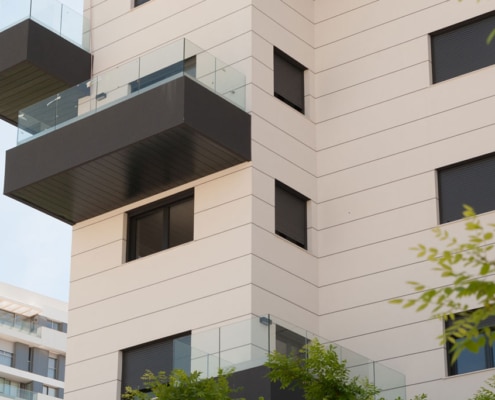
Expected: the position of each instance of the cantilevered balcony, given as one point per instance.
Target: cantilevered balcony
(167, 118)
(43, 50)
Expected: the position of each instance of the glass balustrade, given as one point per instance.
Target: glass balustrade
(130, 79)
(51, 14)
(245, 345)
(15, 390)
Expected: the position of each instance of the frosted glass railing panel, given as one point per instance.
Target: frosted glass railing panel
(205, 70)
(51, 113)
(230, 83)
(390, 382)
(47, 13)
(75, 27)
(115, 84)
(12, 12)
(161, 58)
(152, 69)
(51, 14)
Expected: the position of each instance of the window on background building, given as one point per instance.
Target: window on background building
(462, 48)
(6, 358)
(469, 361)
(139, 2)
(161, 225)
(50, 391)
(288, 76)
(290, 214)
(52, 368)
(173, 352)
(469, 182)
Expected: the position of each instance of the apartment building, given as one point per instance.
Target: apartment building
(33, 339)
(246, 175)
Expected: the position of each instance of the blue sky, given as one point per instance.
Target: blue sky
(34, 248)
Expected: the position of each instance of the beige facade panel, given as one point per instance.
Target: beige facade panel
(194, 314)
(284, 254)
(160, 296)
(162, 266)
(377, 228)
(295, 290)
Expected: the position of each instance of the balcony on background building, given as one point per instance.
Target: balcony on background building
(43, 49)
(167, 118)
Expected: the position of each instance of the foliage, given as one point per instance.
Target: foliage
(484, 393)
(466, 265)
(179, 385)
(319, 373)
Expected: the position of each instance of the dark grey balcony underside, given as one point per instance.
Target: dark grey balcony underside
(36, 63)
(154, 141)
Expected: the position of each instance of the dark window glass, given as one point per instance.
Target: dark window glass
(462, 48)
(289, 342)
(162, 225)
(288, 80)
(469, 361)
(290, 214)
(139, 2)
(470, 182)
(160, 355)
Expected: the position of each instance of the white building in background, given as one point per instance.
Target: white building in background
(33, 340)
(241, 173)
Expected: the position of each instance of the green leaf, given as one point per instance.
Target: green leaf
(490, 37)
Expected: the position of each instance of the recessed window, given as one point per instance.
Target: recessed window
(52, 368)
(161, 225)
(139, 2)
(289, 342)
(49, 391)
(470, 182)
(288, 80)
(6, 358)
(161, 355)
(462, 48)
(469, 361)
(290, 214)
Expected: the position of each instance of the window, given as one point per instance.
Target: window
(289, 342)
(50, 391)
(139, 2)
(6, 358)
(470, 182)
(290, 214)
(462, 48)
(468, 361)
(288, 80)
(52, 368)
(161, 355)
(161, 225)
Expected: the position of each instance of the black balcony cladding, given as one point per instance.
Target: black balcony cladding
(36, 63)
(253, 383)
(159, 139)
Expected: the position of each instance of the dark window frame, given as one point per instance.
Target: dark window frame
(466, 182)
(138, 3)
(469, 42)
(131, 374)
(281, 216)
(487, 350)
(138, 214)
(284, 66)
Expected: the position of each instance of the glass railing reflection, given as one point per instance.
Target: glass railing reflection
(51, 14)
(246, 344)
(150, 70)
